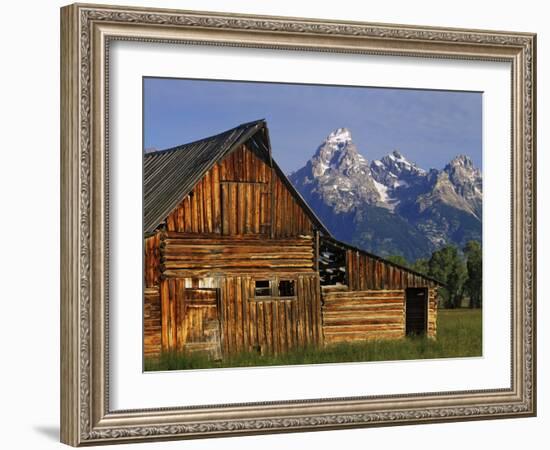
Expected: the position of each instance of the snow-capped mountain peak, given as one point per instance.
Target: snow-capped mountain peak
(394, 170)
(461, 171)
(338, 154)
(396, 156)
(382, 202)
(339, 136)
(467, 181)
(397, 162)
(462, 160)
(339, 173)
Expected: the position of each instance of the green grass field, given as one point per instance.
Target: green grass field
(458, 335)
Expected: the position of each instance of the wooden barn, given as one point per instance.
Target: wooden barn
(235, 260)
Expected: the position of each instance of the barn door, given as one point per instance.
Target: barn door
(416, 310)
(199, 321)
(246, 208)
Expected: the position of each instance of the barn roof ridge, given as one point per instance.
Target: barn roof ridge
(196, 141)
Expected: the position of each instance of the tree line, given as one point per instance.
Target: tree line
(460, 270)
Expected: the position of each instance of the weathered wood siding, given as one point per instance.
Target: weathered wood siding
(152, 260)
(188, 255)
(363, 315)
(151, 322)
(190, 319)
(369, 314)
(151, 297)
(190, 313)
(273, 325)
(365, 272)
(289, 218)
(241, 195)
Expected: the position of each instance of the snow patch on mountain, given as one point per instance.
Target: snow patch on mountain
(382, 190)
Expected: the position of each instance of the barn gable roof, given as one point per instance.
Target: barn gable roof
(169, 175)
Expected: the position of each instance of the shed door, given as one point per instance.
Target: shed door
(199, 321)
(246, 208)
(416, 310)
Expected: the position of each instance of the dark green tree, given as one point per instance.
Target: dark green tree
(474, 260)
(447, 266)
(421, 265)
(398, 259)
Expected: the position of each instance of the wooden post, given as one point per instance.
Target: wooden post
(165, 314)
(316, 253)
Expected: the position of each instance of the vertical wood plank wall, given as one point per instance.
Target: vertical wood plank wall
(152, 323)
(365, 272)
(190, 316)
(152, 260)
(248, 324)
(270, 326)
(234, 198)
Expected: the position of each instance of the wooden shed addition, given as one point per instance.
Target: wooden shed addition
(236, 261)
(373, 298)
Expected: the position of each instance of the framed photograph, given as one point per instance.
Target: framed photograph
(282, 224)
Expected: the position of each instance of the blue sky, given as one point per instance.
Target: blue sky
(428, 127)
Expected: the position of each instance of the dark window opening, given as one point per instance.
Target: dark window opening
(286, 288)
(262, 288)
(332, 264)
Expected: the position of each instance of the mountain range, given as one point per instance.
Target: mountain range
(391, 206)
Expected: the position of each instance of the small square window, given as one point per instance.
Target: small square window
(262, 288)
(286, 288)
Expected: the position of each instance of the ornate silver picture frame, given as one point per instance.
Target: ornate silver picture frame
(87, 33)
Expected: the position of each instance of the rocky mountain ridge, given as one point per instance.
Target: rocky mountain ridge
(391, 206)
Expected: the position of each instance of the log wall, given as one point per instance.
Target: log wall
(363, 315)
(188, 255)
(240, 195)
(370, 314)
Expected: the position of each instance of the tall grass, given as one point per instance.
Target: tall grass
(458, 335)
